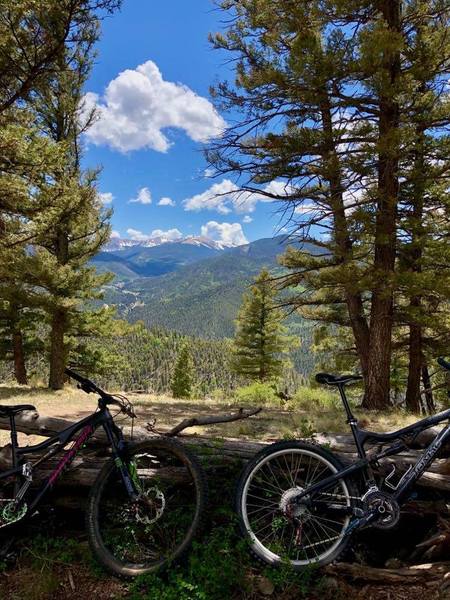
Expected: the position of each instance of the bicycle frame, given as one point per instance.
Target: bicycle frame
(367, 459)
(86, 428)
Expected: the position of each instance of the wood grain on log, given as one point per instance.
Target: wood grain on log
(227, 449)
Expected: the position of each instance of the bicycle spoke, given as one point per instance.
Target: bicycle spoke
(274, 485)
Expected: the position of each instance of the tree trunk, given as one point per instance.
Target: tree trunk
(20, 371)
(58, 351)
(381, 317)
(344, 243)
(428, 392)
(415, 364)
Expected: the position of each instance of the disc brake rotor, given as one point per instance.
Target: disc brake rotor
(152, 500)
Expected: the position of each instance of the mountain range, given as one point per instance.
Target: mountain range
(194, 288)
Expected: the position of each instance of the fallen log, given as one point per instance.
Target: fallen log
(87, 464)
(423, 573)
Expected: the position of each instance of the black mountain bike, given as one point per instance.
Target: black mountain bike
(298, 503)
(146, 504)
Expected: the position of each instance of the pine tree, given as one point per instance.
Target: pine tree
(183, 374)
(260, 344)
(329, 94)
(37, 180)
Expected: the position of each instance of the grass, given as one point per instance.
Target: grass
(52, 565)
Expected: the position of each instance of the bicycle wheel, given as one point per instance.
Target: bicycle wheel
(277, 530)
(131, 538)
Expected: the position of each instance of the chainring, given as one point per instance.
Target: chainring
(12, 513)
(385, 507)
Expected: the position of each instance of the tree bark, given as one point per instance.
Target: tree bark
(415, 363)
(428, 390)
(381, 317)
(20, 371)
(58, 351)
(344, 244)
(414, 264)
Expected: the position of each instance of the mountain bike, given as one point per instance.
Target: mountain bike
(146, 503)
(298, 503)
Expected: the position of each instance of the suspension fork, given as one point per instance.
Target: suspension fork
(119, 454)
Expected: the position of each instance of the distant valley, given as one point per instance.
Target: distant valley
(192, 286)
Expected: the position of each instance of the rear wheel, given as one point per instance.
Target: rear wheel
(280, 530)
(130, 538)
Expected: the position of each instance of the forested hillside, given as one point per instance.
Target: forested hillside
(203, 298)
(139, 359)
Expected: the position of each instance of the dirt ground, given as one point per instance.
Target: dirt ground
(36, 576)
(271, 424)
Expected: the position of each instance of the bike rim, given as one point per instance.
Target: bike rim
(271, 534)
(153, 531)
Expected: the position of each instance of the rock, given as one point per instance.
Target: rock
(330, 583)
(265, 586)
(393, 563)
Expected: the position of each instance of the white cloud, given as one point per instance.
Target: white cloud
(225, 196)
(138, 105)
(171, 235)
(228, 234)
(247, 219)
(105, 197)
(135, 234)
(114, 234)
(144, 196)
(165, 201)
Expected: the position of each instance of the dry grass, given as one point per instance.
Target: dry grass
(315, 411)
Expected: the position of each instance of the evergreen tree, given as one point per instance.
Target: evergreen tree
(79, 226)
(38, 181)
(327, 91)
(183, 374)
(260, 343)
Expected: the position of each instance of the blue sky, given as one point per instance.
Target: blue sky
(151, 88)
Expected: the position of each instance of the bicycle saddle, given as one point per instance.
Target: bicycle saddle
(330, 379)
(6, 411)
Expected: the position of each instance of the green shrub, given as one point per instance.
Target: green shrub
(311, 399)
(257, 393)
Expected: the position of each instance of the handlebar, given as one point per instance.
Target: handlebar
(86, 385)
(89, 387)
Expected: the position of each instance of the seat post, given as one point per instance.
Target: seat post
(350, 417)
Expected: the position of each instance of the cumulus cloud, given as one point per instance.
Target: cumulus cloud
(225, 197)
(137, 235)
(165, 201)
(171, 235)
(144, 196)
(114, 234)
(138, 105)
(228, 234)
(105, 197)
(247, 219)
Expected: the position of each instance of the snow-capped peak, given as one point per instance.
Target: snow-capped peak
(116, 243)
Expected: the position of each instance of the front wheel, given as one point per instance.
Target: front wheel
(279, 530)
(130, 538)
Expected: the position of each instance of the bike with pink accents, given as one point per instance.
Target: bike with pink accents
(146, 504)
